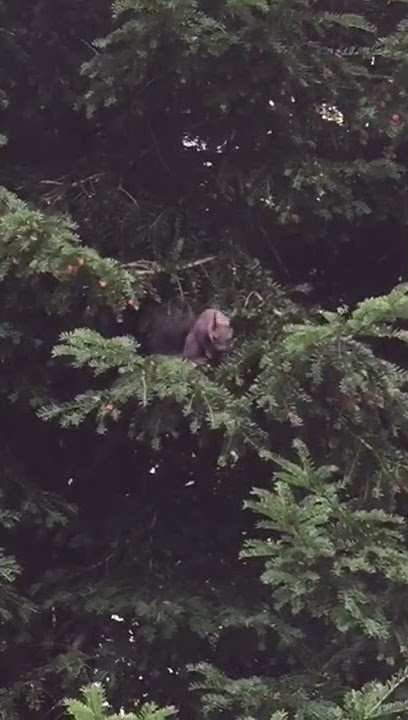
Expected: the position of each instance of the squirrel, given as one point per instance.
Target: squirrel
(174, 329)
(209, 338)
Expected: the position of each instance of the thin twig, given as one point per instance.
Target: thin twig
(128, 195)
(155, 267)
(159, 153)
(71, 184)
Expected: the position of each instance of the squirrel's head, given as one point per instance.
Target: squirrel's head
(220, 332)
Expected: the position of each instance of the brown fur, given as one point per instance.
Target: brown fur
(209, 337)
(163, 328)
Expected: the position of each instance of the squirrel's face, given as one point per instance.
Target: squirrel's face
(220, 334)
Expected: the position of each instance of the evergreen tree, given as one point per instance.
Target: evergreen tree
(246, 154)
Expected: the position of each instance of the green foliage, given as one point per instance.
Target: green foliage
(36, 243)
(244, 154)
(327, 551)
(95, 707)
(374, 700)
(293, 367)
